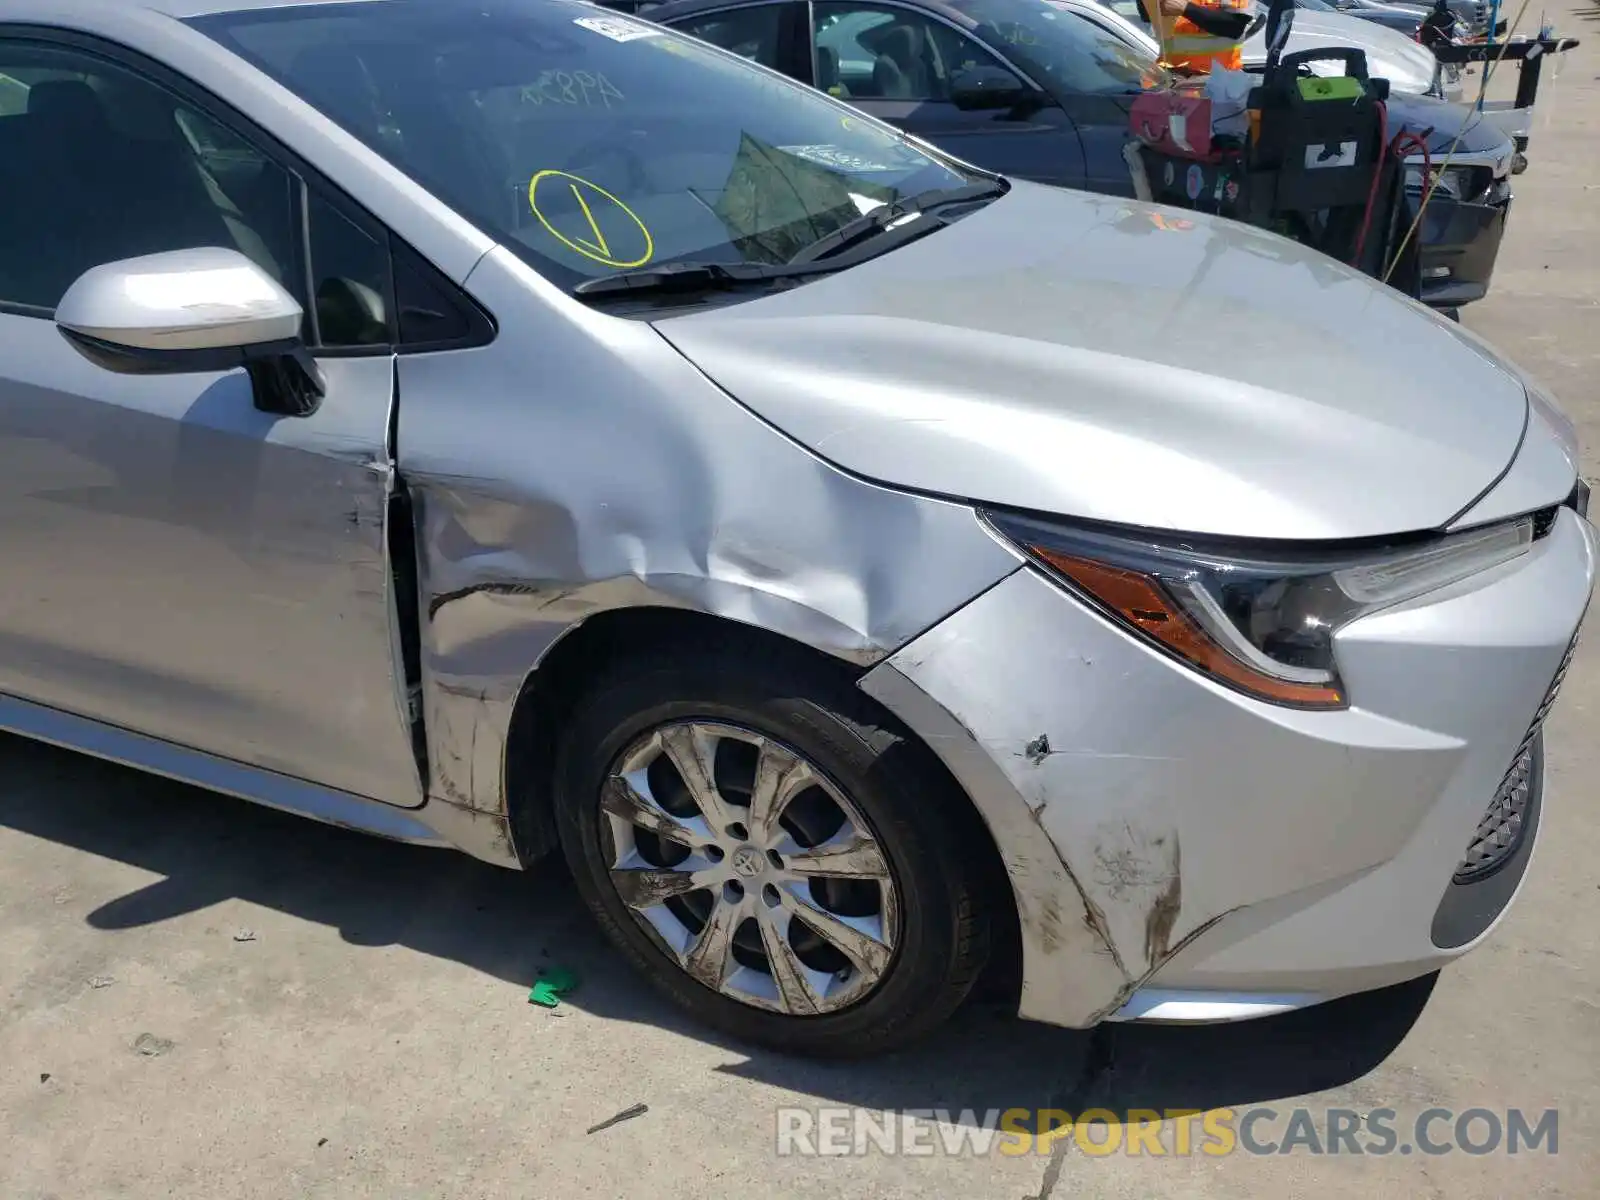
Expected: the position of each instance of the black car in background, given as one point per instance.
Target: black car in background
(1041, 89)
(1402, 19)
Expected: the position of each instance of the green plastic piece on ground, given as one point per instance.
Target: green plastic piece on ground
(1336, 87)
(553, 984)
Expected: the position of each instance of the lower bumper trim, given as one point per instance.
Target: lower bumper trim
(1468, 909)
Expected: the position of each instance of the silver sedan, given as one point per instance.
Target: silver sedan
(517, 427)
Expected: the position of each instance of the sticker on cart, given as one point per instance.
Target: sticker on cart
(1330, 154)
(1194, 181)
(1168, 175)
(618, 29)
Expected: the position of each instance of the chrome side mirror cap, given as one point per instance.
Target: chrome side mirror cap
(201, 310)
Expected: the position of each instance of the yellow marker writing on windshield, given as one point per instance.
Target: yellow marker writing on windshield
(593, 203)
(599, 238)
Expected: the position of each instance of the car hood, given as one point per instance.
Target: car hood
(1402, 21)
(1061, 352)
(1407, 65)
(1453, 128)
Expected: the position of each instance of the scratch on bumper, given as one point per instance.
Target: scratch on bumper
(1099, 912)
(1074, 972)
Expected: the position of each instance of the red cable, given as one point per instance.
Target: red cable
(1405, 141)
(1407, 138)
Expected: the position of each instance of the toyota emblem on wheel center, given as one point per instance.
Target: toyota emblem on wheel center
(747, 862)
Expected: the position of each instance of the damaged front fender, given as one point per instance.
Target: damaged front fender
(585, 466)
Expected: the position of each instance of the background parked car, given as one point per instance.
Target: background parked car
(1042, 92)
(1392, 55)
(1402, 18)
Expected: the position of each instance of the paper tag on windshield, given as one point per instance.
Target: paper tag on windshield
(618, 29)
(834, 156)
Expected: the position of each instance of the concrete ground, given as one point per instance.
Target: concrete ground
(202, 998)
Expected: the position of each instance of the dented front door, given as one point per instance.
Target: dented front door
(183, 565)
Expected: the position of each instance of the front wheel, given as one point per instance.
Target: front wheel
(774, 856)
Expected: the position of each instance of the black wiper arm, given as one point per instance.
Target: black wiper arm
(688, 277)
(872, 223)
(821, 257)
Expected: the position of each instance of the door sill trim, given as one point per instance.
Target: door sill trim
(258, 784)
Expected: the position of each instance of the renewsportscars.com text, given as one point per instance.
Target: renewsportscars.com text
(1259, 1130)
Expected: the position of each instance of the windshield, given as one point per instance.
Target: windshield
(1062, 45)
(587, 141)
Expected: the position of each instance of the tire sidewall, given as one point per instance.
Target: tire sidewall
(859, 759)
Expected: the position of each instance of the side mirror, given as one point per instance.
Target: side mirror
(190, 311)
(987, 87)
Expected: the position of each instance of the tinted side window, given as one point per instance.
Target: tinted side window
(433, 312)
(373, 291)
(752, 33)
(865, 52)
(1077, 50)
(99, 164)
(350, 280)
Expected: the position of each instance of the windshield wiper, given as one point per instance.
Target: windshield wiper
(691, 277)
(871, 224)
(911, 218)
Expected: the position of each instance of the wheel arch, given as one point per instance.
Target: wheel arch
(553, 685)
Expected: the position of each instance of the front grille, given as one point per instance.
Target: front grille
(1503, 825)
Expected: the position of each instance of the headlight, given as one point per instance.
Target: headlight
(1263, 624)
(1452, 181)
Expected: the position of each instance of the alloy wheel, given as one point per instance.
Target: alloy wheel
(749, 868)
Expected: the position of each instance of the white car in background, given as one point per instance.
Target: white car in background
(1407, 65)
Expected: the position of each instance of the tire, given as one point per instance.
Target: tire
(855, 762)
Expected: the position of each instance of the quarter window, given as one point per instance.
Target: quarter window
(433, 312)
(350, 280)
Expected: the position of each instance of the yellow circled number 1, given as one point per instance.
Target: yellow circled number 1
(592, 198)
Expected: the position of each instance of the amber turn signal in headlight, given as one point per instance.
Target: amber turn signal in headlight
(1261, 624)
(1144, 604)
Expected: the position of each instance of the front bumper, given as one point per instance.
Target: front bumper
(1460, 241)
(1181, 851)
